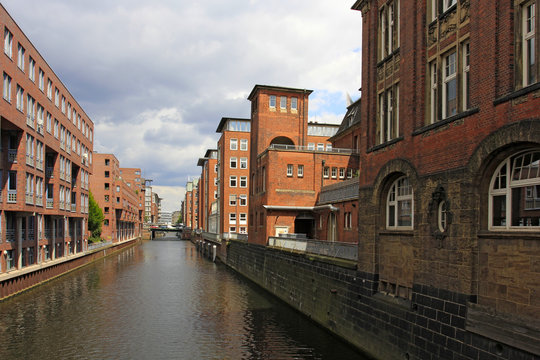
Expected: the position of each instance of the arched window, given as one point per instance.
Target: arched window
(400, 205)
(514, 193)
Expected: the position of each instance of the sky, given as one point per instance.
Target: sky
(156, 77)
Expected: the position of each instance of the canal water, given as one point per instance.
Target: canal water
(158, 300)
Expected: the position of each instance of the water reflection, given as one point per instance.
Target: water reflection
(160, 300)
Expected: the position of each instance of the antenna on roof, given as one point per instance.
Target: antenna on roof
(349, 100)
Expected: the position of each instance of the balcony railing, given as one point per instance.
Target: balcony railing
(40, 129)
(49, 171)
(62, 175)
(338, 250)
(305, 148)
(39, 200)
(10, 234)
(235, 236)
(73, 207)
(63, 145)
(30, 120)
(39, 164)
(12, 156)
(30, 198)
(29, 160)
(50, 203)
(48, 233)
(12, 196)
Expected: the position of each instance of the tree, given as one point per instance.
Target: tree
(95, 219)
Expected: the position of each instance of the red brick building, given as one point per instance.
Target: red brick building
(233, 176)
(191, 204)
(449, 172)
(291, 160)
(46, 158)
(208, 191)
(119, 199)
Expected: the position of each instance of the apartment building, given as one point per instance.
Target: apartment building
(291, 160)
(449, 185)
(208, 191)
(132, 178)
(233, 174)
(191, 204)
(119, 199)
(46, 142)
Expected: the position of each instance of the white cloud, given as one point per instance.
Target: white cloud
(157, 77)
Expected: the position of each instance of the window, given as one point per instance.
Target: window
(232, 229)
(243, 181)
(399, 205)
(311, 146)
(449, 85)
(300, 170)
(243, 200)
(243, 144)
(342, 173)
(41, 80)
(388, 128)
(31, 69)
(290, 169)
(20, 57)
(56, 97)
(63, 104)
(233, 162)
(434, 115)
(7, 87)
(232, 181)
(447, 4)
(232, 200)
(20, 98)
(528, 40)
(465, 81)
(388, 28)
(243, 163)
(294, 104)
(107, 174)
(328, 147)
(442, 216)
(283, 103)
(243, 219)
(243, 230)
(232, 218)
(334, 172)
(49, 89)
(106, 209)
(8, 42)
(514, 196)
(272, 103)
(49, 122)
(349, 173)
(107, 186)
(326, 172)
(234, 144)
(320, 147)
(347, 220)
(106, 198)
(107, 162)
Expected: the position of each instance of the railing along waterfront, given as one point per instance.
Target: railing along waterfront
(307, 148)
(94, 246)
(339, 250)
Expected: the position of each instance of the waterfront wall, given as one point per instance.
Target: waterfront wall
(433, 325)
(18, 281)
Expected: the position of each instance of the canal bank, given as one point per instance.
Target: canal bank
(434, 324)
(17, 281)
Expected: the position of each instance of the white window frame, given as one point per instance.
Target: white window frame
(465, 90)
(400, 193)
(233, 181)
(528, 30)
(233, 162)
(449, 76)
(433, 91)
(243, 182)
(447, 4)
(290, 170)
(20, 57)
(504, 181)
(243, 144)
(242, 219)
(272, 102)
(300, 171)
(326, 172)
(311, 146)
(334, 172)
(7, 87)
(342, 173)
(8, 42)
(232, 218)
(283, 103)
(243, 163)
(31, 69)
(242, 200)
(41, 80)
(233, 144)
(294, 104)
(49, 89)
(232, 200)
(20, 98)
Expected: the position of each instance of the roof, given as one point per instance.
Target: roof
(351, 118)
(201, 161)
(276, 88)
(224, 120)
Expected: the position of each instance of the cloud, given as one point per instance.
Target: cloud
(157, 77)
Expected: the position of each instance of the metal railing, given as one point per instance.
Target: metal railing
(39, 200)
(12, 156)
(30, 198)
(50, 203)
(338, 250)
(306, 148)
(49, 171)
(94, 246)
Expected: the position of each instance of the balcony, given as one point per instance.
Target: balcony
(48, 233)
(73, 207)
(12, 196)
(39, 164)
(306, 148)
(63, 145)
(61, 205)
(10, 235)
(49, 171)
(12, 156)
(29, 160)
(30, 198)
(40, 129)
(30, 120)
(50, 203)
(39, 200)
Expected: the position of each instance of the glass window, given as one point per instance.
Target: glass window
(234, 144)
(233, 162)
(243, 181)
(8, 42)
(450, 85)
(272, 103)
(334, 172)
(300, 170)
(283, 102)
(326, 172)
(232, 200)
(243, 163)
(20, 57)
(399, 206)
(290, 169)
(232, 181)
(243, 144)
(514, 198)
(243, 200)
(528, 20)
(294, 104)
